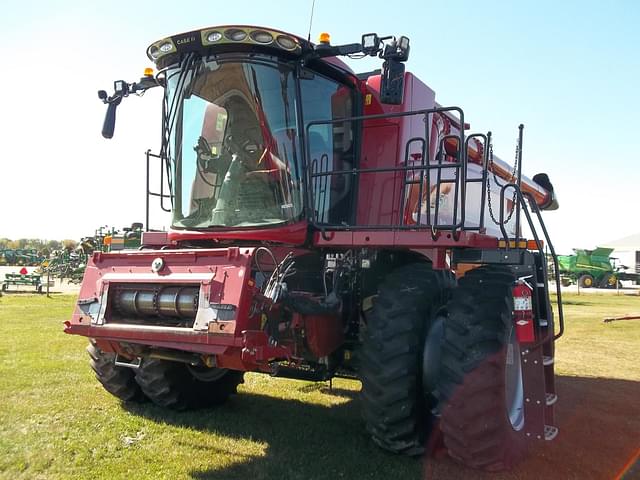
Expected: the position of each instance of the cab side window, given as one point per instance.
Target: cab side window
(331, 146)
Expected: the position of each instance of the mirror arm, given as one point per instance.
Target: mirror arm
(122, 89)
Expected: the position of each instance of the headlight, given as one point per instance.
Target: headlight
(260, 36)
(214, 36)
(153, 52)
(235, 34)
(287, 43)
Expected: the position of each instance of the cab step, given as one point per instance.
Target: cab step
(550, 399)
(547, 360)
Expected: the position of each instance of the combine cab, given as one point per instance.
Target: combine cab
(328, 224)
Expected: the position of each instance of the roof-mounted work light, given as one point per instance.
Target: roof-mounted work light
(403, 48)
(121, 87)
(370, 44)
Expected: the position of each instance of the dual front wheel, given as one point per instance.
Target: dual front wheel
(174, 385)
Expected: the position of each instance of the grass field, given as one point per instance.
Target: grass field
(57, 422)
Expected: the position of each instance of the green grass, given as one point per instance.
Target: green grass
(595, 349)
(57, 422)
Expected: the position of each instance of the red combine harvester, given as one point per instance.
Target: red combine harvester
(328, 224)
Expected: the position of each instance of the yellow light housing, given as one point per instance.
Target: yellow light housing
(324, 38)
(222, 36)
(148, 72)
(528, 244)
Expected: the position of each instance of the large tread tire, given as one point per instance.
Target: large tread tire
(118, 381)
(609, 280)
(393, 403)
(586, 281)
(474, 421)
(171, 385)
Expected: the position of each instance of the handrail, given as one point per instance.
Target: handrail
(162, 193)
(534, 206)
(425, 168)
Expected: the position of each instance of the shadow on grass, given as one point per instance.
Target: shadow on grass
(330, 392)
(305, 440)
(599, 422)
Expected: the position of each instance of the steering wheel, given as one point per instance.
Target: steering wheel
(206, 161)
(204, 154)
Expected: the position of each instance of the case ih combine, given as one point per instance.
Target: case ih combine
(327, 224)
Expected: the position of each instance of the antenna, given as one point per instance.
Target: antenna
(313, 4)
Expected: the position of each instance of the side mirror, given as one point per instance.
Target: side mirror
(121, 89)
(109, 124)
(392, 83)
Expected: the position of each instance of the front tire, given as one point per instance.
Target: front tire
(393, 404)
(585, 281)
(182, 387)
(480, 386)
(118, 381)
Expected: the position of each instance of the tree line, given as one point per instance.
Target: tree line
(43, 247)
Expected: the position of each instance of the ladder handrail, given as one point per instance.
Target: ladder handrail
(534, 206)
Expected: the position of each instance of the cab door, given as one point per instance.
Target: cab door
(331, 147)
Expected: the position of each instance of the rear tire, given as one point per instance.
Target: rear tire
(181, 387)
(585, 281)
(480, 386)
(393, 404)
(609, 280)
(118, 381)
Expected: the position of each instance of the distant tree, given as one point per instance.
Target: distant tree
(54, 245)
(4, 242)
(13, 244)
(36, 243)
(69, 245)
(22, 243)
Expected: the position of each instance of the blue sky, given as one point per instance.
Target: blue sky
(568, 70)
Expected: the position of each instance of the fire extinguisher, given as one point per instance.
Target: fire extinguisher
(523, 312)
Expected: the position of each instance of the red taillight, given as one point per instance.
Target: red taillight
(67, 324)
(523, 313)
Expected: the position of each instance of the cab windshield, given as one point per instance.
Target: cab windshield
(231, 132)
